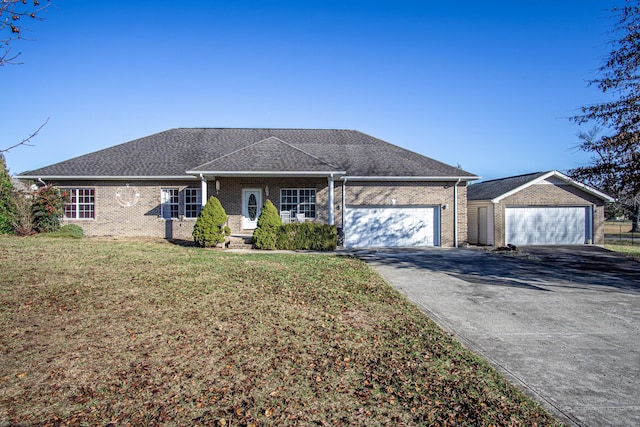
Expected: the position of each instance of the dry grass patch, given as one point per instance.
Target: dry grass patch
(94, 332)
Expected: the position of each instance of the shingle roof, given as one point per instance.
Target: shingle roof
(497, 189)
(271, 154)
(174, 152)
(488, 190)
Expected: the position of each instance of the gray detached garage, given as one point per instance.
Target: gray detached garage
(544, 208)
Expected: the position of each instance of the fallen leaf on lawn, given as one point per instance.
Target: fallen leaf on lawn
(21, 375)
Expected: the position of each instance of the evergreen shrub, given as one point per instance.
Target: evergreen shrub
(266, 233)
(210, 228)
(307, 236)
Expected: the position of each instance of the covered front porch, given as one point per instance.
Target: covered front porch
(301, 197)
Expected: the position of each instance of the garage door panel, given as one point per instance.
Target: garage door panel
(389, 226)
(546, 225)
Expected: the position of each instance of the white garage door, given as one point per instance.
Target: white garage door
(543, 225)
(391, 226)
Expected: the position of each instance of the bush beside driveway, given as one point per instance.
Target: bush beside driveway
(563, 323)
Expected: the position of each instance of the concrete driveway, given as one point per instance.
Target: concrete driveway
(562, 323)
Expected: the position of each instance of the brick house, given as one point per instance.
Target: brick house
(378, 193)
(544, 208)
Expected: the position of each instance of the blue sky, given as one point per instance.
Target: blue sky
(487, 85)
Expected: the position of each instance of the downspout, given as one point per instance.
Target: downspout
(331, 201)
(344, 200)
(455, 213)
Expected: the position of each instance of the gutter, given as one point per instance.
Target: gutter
(412, 178)
(268, 173)
(107, 177)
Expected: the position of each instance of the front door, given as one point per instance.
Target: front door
(251, 207)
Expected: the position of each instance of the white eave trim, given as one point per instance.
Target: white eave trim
(268, 173)
(560, 176)
(108, 177)
(410, 178)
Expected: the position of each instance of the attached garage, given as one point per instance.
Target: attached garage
(545, 225)
(544, 208)
(391, 226)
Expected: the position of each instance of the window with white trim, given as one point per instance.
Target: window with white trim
(192, 202)
(170, 203)
(298, 200)
(79, 203)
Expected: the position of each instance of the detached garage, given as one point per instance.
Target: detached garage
(544, 208)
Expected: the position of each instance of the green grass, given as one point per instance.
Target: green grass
(94, 332)
(625, 247)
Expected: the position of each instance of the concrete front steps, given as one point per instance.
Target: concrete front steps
(239, 242)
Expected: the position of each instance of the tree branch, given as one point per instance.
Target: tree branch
(27, 139)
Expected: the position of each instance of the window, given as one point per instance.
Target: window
(299, 200)
(192, 202)
(79, 203)
(169, 203)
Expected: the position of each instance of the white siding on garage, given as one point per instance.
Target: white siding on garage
(544, 225)
(390, 226)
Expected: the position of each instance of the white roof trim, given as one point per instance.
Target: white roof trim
(107, 177)
(562, 177)
(409, 178)
(268, 173)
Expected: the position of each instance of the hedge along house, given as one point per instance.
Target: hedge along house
(378, 193)
(544, 208)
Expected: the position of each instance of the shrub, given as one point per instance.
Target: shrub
(23, 220)
(307, 236)
(266, 232)
(47, 208)
(210, 228)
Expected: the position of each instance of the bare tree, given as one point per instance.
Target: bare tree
(13, 16)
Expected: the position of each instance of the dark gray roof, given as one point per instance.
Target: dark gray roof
(174, 152)
(271, 154)
(489, 190)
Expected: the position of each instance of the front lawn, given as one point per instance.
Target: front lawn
(103, 332)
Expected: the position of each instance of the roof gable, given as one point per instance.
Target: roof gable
(498, 189)
(267, 155)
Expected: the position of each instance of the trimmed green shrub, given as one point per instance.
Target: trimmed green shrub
(266, 232)
(47, 208)
(307, 236)
(210, 228)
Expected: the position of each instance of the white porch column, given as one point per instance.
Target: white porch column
(203, 183)
(331, 202)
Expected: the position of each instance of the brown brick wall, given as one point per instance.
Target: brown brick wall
(143, 216)
(360, 193)
(113, 217)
